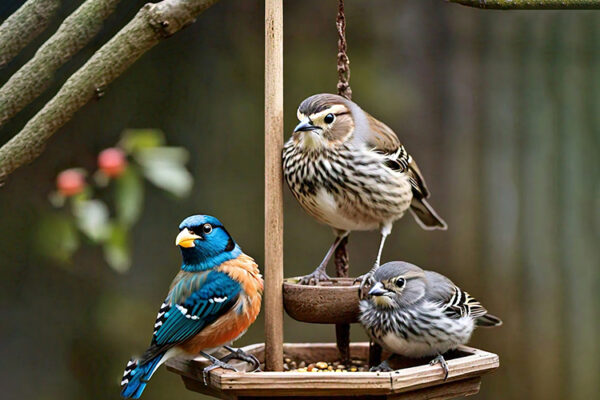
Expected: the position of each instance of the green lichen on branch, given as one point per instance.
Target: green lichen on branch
(531, 4)
(34, 77)
(18, 30)
(151, 24)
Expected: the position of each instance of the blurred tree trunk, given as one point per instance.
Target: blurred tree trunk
(23, 26)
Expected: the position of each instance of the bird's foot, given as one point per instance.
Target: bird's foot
(365, 280)
(216, 363)
(240, 354)
(383, 367)
(313, 279)
(440, 359)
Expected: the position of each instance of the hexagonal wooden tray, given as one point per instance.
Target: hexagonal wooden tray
(415, 380)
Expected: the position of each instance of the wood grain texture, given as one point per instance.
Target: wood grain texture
(418, 381)
(273, 298)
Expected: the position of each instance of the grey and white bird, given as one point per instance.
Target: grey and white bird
(349, 171)
(416, 313)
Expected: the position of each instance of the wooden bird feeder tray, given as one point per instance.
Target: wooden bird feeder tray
(334, 302)
(418, 380)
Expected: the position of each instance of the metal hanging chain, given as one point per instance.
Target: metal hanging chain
(343, 63)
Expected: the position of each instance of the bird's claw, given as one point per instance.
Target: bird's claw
(313, 279)
(440, 359)
(216, 364)
(383, 367)
(240, 354)
(365, 280)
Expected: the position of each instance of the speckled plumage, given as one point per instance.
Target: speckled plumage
(417, 313)
(211, 302)
(349, 171)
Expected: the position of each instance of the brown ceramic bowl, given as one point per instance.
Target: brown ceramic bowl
(333, 302)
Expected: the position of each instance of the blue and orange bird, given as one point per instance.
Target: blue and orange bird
(212, 301)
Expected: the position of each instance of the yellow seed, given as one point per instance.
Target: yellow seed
(301, 370)
(338, 370)
(353, 369)
(330, 368)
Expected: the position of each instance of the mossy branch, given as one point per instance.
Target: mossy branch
(531, 4)
(34, 77)
(151, 24)
(23, 26)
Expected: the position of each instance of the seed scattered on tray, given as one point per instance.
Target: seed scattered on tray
(295, 365)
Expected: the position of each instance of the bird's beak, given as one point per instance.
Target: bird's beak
(305, 125)
(377, 290)
(186, 239)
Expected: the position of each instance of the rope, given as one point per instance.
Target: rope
(343, 63)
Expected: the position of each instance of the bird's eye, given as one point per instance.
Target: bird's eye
(400, 282)
(329, 118)
(207, 228)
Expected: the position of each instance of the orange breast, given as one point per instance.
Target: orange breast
(234, 323)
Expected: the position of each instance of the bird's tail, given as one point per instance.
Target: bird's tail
(426, 216)
(488, 321)
(137, 375)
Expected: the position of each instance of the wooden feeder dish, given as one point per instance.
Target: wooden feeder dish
(418, 380)
(333, 302)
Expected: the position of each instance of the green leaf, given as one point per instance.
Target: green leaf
(129, 196)
(164, 167)
(92, 219)
(117, 252)
(134, 140)
(57, 237)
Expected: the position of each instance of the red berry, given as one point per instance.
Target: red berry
(70, 182)
(112, 162)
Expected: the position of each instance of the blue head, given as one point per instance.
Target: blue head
(205, 243)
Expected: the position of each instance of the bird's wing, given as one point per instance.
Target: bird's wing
(455, 302)
(382, 139)
(178, 321)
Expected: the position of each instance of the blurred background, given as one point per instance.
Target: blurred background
(501, 110)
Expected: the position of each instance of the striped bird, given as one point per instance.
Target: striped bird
(350, 171)
(212, 301)
(417, 313)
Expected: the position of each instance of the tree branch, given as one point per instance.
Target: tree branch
(151, 24)
(531, 4)
(34, 77)
(23, 26)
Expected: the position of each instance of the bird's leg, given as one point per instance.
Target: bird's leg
(216, 363)
(367, 279)
(241, 355)
(440, 359)
(383, 367)
(320, 273)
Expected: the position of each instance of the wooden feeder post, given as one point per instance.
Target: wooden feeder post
(273, 185)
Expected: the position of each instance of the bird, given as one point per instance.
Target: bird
(417, 313)
(349, 171)
(211, 302)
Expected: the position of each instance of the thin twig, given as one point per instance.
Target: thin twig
(151, 24)
(34, 77)
(18, 30)
(531, 4)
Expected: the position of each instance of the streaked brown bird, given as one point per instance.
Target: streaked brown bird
(349, 171)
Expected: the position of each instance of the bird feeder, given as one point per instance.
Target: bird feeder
(335, 302)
